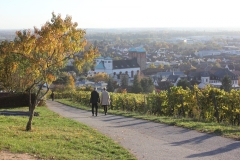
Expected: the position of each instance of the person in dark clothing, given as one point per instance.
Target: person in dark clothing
(52, 96)
(94, 100)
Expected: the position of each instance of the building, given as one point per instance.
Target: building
(117, 67)
(214, 79)
(164, 75)
(174, 79)
(140, 54)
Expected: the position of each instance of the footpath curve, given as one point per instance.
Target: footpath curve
(154, 141)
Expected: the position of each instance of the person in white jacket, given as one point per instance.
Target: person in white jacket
(105, 100)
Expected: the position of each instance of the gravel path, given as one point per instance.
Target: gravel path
(154, 141)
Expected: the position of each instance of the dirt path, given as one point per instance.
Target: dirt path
(153, 141)
(15, 156)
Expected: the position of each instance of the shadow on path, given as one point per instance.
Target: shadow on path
(133, 124)
(195, 140)
(217, 151)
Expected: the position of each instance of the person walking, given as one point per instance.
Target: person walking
(94, 100)
(105, 100)
(52, 96)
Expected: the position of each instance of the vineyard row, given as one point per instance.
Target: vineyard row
(209, 104)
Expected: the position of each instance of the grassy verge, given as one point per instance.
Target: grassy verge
(55, 137)
(207, 127)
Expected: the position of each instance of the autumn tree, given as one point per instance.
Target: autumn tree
(152, 66)
(46, 50)
(62, 79)
(71, 83)
(9, 72)
(161, 66)
(217, 64)
(8, 66)
(100, 77)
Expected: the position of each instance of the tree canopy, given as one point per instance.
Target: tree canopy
(110, 87)
(39, 55)
(136, 88)
(124, 81)
(152, 66)
(184, 83)
(100, 77)
(226, 84)
(147, 85)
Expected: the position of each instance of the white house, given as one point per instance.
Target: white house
(214, 79)
(117, 67)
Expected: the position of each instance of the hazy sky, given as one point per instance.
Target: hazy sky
(24, 14)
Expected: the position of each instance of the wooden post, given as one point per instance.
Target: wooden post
(134, 100)
(232, 115)
(144, 104)
(198, 106)
(215, 106)
(111, 102)
(127, 106)
(122, 104)
(159, 106)
(183, 112)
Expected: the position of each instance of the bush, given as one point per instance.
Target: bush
(14, 100)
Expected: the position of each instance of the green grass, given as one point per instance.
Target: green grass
(206, 127)
(56, 137)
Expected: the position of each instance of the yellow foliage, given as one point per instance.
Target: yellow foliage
(14, 67)
(46, 49)
(50, 78)
(101, 77)
(161, 66)
(124, 90)
(71, 81)
(152, 66)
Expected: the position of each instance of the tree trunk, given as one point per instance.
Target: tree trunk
(31, 110)
(33, 103)
(31, 114)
